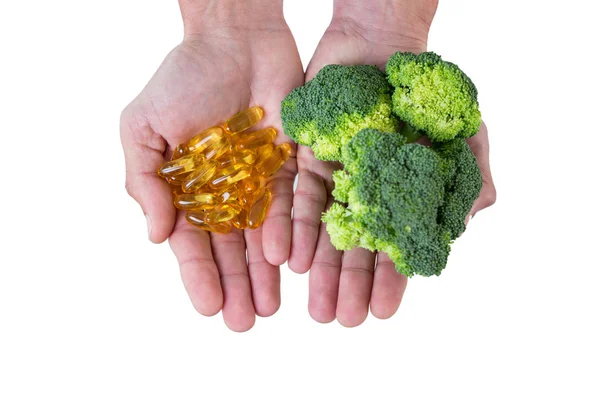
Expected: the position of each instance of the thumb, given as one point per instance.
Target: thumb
(143, 156)
(480, 146)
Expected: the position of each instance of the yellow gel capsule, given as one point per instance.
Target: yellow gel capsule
(179, 152)
(176, 180)
(258, 210)
(254, 140)
(240, 221)
(217, 149)
(195, 201)
(199, 219)
(271, 164)
(249, 185)
(244, 120)
(204, 139)
(222, 213)
(246, 156)
(230, 194)
(229, 176)
(199, 177)
(264, 152)
(180, 166)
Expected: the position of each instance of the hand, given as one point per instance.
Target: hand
(220, 68)
(343, 285)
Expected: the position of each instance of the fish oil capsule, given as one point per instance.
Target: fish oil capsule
(195, 201)
(246, 156)
(246, 199)
(200, 176)
(240, 221)
(180, 166)
(217, 149)
(199, 219)
(179, 151)
(254, 140)
(176, 180)
(258, 210)
(222, 213)
(270, 165)
(230, 194)
(244, 120)
(229, 176)
(264, 152)
(204, 139)
(251, 184)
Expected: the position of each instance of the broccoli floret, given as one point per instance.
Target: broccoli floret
(403, 199)
(331, 108)
(433, 96)
(463, 184)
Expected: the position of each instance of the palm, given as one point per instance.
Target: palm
(202, 82)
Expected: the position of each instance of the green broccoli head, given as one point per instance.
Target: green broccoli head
(433, 96)
(331, 108)
(403, 199)
(463, 184)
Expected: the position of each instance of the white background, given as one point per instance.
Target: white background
(89, 309)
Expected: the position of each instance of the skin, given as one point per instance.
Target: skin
(344, 285)
(235, 55)
(226, 63)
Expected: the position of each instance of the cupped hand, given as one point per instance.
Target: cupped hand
(210, 76)
(344, 285)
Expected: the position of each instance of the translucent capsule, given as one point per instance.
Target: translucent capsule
(222, 213)
(229, 195)
(258, 210)
(217, 149)
(270, 165)
(179, 152)
(176, 180)
(251, 184)
(180, 166)
(244, 120)
(205, 138)
(264, 152)
(200, 176)
(240, 221)
(246, 199)
(254, 140)
(195, 201)
(246, 156)
(229, 176)
(199, 219)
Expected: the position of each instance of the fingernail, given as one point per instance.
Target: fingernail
(149, 222)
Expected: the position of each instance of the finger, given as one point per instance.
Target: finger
(309, 203)
(198, 270)
(324, 278)
(277, 228)
(388, 288)
(356, 280)
(143, 155)
(264, 277)
(480, 146)
(229, 251)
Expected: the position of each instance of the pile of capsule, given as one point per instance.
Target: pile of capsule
(219, 176)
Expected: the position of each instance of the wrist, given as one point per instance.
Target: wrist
(401, 24)
(200, 15)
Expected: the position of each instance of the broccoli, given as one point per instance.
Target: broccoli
(407, 200)
(331, 108)
(433, 96)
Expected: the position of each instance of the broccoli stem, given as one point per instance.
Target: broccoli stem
(411, 134)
